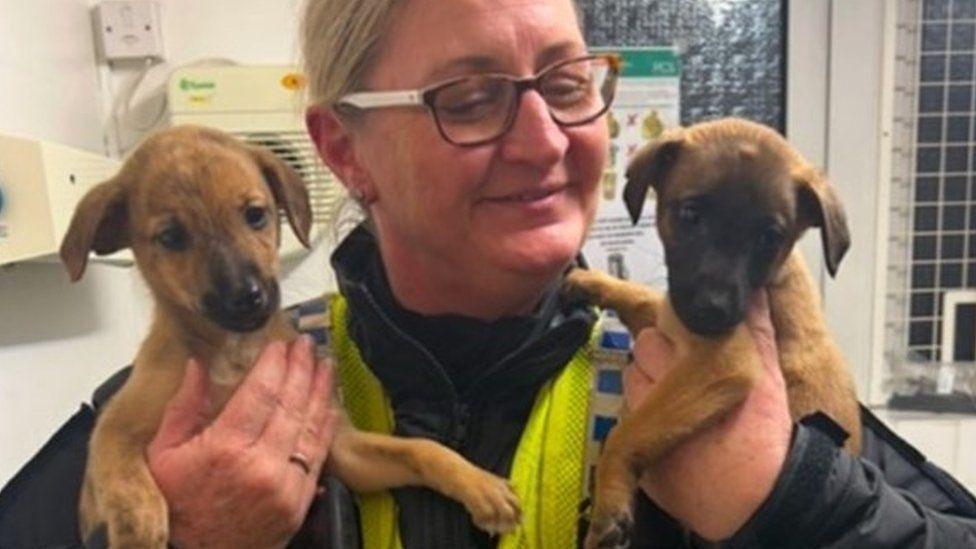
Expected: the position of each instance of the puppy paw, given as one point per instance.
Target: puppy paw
(143, 522)
(582, 284)
(493, 505)
(609, 529)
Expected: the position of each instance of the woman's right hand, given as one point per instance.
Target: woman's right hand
(232, 483)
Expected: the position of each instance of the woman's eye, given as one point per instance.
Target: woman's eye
(174, 238)
(566, 90)
(468, 102)
(256, 217)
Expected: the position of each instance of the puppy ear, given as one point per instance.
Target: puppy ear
(100, 224)
(289, 191)
(649, 168)
(819, 205)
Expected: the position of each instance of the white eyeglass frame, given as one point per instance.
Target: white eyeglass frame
(422, 97)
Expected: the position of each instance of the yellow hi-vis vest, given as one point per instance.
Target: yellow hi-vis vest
(547, 472)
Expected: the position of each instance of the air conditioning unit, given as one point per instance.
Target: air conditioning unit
(261, 105)
(40, 185)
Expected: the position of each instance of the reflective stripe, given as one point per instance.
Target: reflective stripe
(548, 468)
(369, 410)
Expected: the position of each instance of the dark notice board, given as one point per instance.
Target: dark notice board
(733, 52)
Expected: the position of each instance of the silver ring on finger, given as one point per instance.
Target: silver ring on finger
(301, 460)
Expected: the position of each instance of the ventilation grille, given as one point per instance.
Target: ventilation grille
(296, 149)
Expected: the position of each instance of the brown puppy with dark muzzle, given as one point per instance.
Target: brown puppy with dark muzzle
(200, 211)
(732, 199)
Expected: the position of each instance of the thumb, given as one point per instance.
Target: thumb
(758, 316)
(186, 412)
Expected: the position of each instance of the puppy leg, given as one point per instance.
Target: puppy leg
(369, 462)
(636, 305)
(119, 490)
(816, 373)
(699, 391)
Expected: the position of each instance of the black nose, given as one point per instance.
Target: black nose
(714, 313)
(248, 298)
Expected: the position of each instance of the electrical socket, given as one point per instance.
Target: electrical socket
(128, 29)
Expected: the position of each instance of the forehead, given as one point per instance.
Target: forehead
(431, 40)
(214, 176)
(746, 178)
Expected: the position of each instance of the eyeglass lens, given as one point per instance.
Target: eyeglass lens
(481, 108)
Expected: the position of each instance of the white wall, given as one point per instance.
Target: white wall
(58, 341)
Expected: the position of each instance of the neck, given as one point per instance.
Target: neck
(792, 297)
(429, 286)
(228, 356)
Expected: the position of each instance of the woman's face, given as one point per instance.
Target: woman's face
(520, 205)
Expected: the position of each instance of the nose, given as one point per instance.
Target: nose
(249, 297)
(714, 311)
(535, 137)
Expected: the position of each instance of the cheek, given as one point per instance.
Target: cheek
(178, 278)
(428, 177)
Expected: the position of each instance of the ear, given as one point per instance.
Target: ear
(818, 203)
(333, 141)
(100, 224)
(649, 168)
(289, 191)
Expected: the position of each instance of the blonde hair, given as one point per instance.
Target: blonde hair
(339, 39)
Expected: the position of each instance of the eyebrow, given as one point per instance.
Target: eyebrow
(471, 64)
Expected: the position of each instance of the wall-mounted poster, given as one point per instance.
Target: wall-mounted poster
(648, 102)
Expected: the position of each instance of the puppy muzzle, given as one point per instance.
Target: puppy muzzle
(243, 307)
(709, 312)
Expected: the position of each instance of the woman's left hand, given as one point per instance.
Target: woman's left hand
(715, 482)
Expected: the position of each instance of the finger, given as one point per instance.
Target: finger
(254, 402)
(758, 316)
(317, 431)
(288, 419)
(637, 385)
(320, 420)
(310, 484)
(186, 413)
(652, 353)
(763, 334)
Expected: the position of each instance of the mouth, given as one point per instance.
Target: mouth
(707, 325)
(708, 315)
(529, 196)
(220, 312)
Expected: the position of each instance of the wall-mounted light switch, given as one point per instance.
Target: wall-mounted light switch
(128, 29)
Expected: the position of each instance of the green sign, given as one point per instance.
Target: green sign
(649, 62)
(192, 85)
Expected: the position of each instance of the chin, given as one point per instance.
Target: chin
(545, 254)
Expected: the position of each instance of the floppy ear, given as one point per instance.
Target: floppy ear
(100, 224)
(289, 191)
(649, 168)
(820, 206)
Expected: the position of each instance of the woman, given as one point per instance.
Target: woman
(478, 202)
(477, 211)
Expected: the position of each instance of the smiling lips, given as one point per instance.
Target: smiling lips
(528, 196)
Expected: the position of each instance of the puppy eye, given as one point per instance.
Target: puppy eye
(173, 238)
(256, 217)
(689, 212)
(770, 238)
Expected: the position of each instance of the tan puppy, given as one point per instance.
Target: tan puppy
(732, 199)
(199, 210)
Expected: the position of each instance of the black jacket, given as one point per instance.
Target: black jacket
(891, 497)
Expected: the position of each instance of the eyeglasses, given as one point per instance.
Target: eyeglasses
(474, 110)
